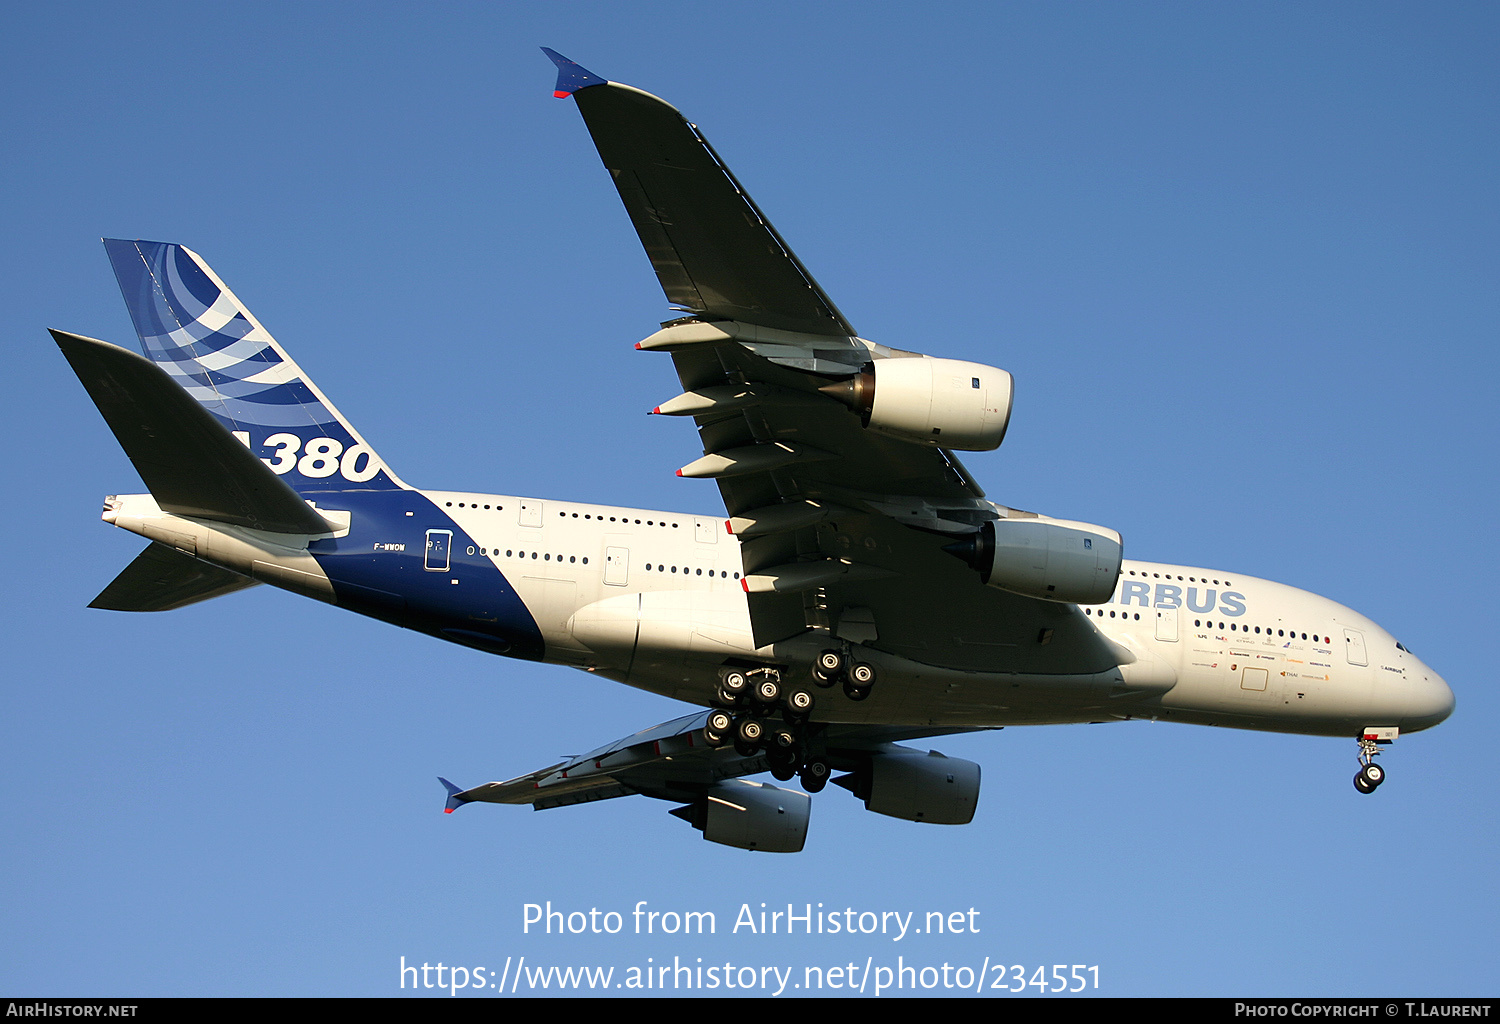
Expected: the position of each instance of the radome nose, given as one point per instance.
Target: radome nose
(1431, 703)
(1446, 701)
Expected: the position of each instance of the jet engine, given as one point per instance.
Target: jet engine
(945, 403)
(907, 784)
(751, 816)
(1049, 559)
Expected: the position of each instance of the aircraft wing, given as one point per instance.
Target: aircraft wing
(674, 762)
(841, 526)
(712, 249)
(669, 761)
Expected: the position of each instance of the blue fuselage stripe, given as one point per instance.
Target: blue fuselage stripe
(380, 568)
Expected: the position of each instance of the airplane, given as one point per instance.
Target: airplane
(860, 592)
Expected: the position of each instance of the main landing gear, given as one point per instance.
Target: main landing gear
(1371, 775)
(835, 666)
(763, 714)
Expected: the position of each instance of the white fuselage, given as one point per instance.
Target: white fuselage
(1197, 645)
(654, 599)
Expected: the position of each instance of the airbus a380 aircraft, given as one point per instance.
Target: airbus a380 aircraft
(860, 592)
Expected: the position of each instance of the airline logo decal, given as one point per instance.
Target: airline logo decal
(1203, 600)
(199, 333)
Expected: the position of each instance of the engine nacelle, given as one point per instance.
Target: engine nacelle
(751, 816)
(930, 787)
(1049, 559)
(945, 403)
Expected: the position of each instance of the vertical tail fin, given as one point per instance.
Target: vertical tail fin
(193, 326)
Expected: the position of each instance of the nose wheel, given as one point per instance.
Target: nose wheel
(1371, 775)
(1369, 778)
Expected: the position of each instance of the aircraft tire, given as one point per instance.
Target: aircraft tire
(800, 703)
(855, 692)
(768, 691)
(823, 679)
(1373, 774)
(815, 774)
(751, 731)
(862, 674)
(1361, 784)
(782, 756)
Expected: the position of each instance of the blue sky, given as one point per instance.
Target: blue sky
(1240, 258)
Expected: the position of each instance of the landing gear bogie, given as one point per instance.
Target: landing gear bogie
(839, 666)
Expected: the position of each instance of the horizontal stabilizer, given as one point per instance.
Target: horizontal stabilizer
(161, 579)
(192, 465)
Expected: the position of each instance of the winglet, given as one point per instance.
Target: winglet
(454, 800)
(571, 76)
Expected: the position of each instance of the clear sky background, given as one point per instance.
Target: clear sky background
(1240, 258)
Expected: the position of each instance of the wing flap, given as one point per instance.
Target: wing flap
(867, 475)
(790, 411)
(865, 530)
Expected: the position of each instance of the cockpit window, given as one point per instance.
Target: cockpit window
(1400, 648)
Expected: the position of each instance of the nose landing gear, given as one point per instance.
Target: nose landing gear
(1368, 778)
(1371, 775)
